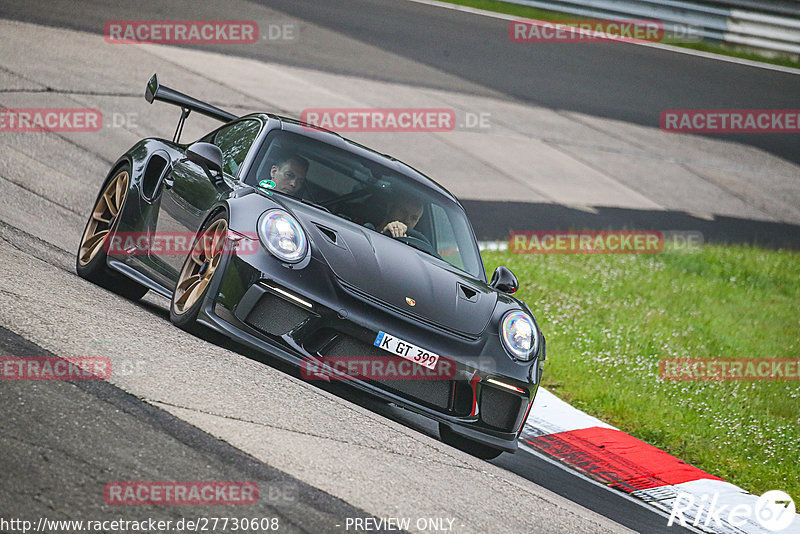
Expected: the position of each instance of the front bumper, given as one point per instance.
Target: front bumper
(269, 306)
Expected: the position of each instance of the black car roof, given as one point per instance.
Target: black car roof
(332, 138)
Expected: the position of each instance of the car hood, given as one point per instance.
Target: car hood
(398, 275)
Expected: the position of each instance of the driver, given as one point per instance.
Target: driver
(404, 213)
(289, 174)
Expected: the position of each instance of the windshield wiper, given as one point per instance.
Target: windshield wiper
(426, 251)
(314, 204)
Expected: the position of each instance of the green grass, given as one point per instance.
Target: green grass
(521, 11)
(609, 319)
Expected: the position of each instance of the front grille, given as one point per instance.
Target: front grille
(426, 390)
(344, 345)
(275, 315)
(434, 392)
(499, 408)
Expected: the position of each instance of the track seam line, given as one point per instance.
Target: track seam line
(24, 187)
(467, 467)
(303, 433)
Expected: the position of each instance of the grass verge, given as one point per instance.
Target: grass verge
(521, 11)
(609, 319)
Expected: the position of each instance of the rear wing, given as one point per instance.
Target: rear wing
(155, 91)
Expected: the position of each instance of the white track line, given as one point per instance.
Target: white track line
(660, 46)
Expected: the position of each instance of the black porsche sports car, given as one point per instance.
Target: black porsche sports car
(323, 253)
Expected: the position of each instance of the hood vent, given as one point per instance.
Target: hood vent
(467, 293)
(328, 233)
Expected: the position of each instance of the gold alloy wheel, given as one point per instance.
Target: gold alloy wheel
(103, 216)
(200, 266)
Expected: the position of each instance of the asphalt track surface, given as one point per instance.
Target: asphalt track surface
(430, 47)
(458, 66)
(62, 441)
(469, 53)
(85, 433)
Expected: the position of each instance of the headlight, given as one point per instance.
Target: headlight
(519, 335)
(283, 236)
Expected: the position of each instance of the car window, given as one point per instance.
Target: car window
(367, 193)
(446, 242)
(235, 141)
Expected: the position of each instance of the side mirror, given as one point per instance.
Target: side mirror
(504, 280)
(208, 156)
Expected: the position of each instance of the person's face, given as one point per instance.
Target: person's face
(406, 212)
(289, 177)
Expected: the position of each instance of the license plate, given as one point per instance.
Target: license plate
(406, 350)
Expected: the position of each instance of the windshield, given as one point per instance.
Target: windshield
(367, 193)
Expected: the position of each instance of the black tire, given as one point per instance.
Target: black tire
(181, 315)
(479, 450)
(91, 261)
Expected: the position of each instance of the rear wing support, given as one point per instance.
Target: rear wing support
(179, 130)
(156, 91)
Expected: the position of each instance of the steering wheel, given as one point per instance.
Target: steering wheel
(420, 242)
